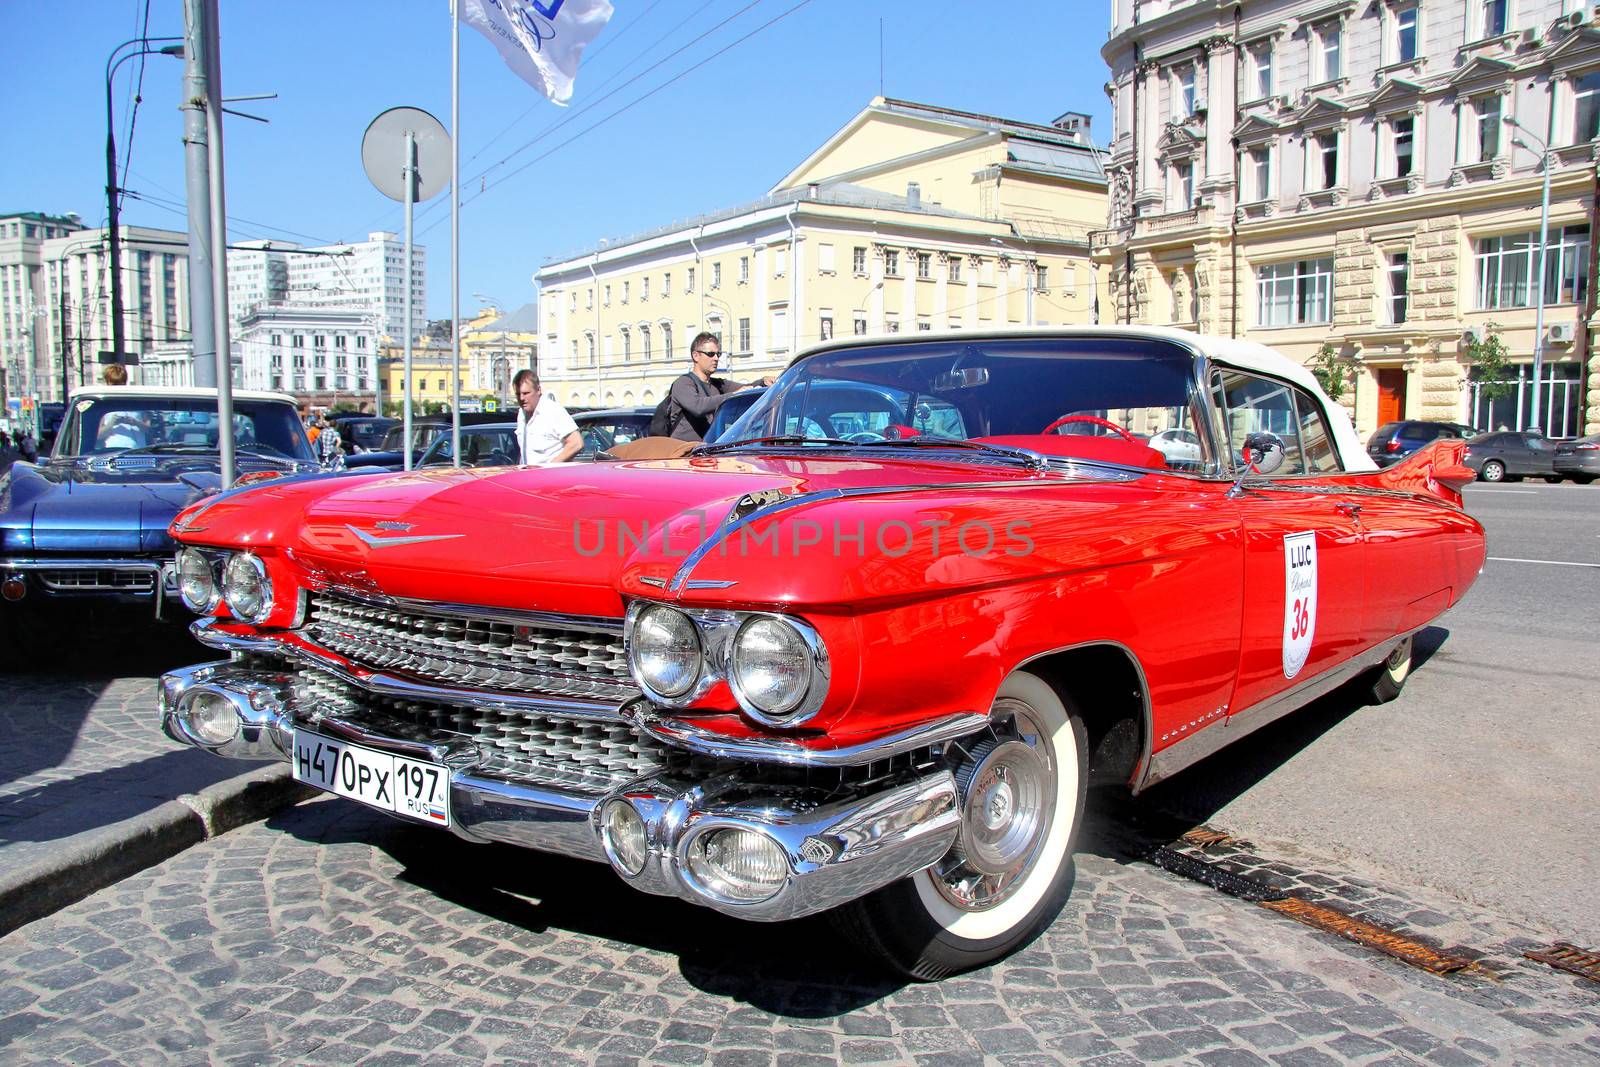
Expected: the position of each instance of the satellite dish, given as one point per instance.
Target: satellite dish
(383, 153)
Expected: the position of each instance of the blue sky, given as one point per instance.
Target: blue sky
(720, 135)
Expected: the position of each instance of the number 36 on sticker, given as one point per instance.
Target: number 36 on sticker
(1299, 600)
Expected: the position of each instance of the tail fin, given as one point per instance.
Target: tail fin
(1434, 470)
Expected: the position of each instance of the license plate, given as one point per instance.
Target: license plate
(414, 788)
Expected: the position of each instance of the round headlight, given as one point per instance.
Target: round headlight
(664, 651)
(773, 667)
(196, 584)
(732, 863)
(624, 836)
(246, 588)
(211, 718)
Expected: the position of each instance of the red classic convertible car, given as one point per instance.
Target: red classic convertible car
(863, 654)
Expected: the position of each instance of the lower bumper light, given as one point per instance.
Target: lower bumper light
(211, 718)
(623, 832)
(743, 866)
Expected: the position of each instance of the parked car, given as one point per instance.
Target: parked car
(492, 445)
(87, 526)
(363, 433)
(1510, 456)
(425, 429)
(1578, 460)
(611, 426)
(730, 411)
(50, 415)
(1394, 441)
(837, 661)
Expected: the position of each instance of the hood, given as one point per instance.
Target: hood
(116, 507)
(553, 538)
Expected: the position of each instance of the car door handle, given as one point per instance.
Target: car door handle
(1351, 510)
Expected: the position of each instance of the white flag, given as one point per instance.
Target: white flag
(541, 40)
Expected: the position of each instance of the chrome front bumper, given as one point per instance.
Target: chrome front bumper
(837, 847)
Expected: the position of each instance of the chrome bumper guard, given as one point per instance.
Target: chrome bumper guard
(836, 847)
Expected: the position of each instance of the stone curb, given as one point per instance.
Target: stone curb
(88, 862)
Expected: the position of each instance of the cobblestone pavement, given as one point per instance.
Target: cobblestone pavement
(336, 935)
(81, 745)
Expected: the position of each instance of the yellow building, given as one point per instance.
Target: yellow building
(494, 346)
(1359, 186)
(911, 217)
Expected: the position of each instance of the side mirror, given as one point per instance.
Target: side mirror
(1264, 452)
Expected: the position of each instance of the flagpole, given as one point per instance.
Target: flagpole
(455, 229)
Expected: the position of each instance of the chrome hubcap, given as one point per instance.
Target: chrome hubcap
(1007, 786)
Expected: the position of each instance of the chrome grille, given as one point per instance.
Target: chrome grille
(459, 650)
(582, 754)
(98, 580)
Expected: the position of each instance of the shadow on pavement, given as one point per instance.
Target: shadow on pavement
(1119, 826)
(802, 969)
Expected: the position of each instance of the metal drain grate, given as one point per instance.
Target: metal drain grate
(1218, 878)
(1370, 934)
(1566, 957)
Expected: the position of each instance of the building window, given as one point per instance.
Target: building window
(858, 261)
(778, 335)
(891, 323)
(644, 287)
(744, 269)
(627, 345)
(1486, 132)
(644, 342)
(1403, 145)
(1399, 284)
(1325, 160)
(1506, 265)
(716, 275)
(588, 298)
(825, 326)
(859, 324)
(1495, 16)
(825, 259)
(924, 266)
(666, 340)
(1183, 92)
(572, 301)
(590, 338)
(1296, 293)
(1586, 107)
(891, 264)
(1330, 48)
(1182, 187)
(666, 284)
(626, 286)
(688, 282)
(1405, 34)
(1261, 64)
(744, 335)
(955, 268)
(606, 300)
(1041, 277)
(1259, 173)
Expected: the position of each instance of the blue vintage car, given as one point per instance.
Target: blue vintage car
(88, 525)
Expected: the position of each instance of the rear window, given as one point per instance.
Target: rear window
(1420, 432)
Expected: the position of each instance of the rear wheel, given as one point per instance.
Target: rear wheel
(1553, 479)
(1386, 681)
(1020, 791)
(1493, 471)
(1583, 479)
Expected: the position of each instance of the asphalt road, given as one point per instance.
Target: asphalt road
(1479, 780)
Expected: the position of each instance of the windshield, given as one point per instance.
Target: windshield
(1119, 400)
(105, 425)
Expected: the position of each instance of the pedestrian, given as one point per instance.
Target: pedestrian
(28, 446)
(696, 395)
(545, 432)
(115, 374)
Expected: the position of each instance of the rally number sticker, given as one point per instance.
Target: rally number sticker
(1299, 599)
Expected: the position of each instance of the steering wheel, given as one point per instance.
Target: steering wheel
(864, 437)
(1095, 420)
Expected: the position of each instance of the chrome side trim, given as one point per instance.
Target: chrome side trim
(67, 563)
(685, 734)
(297, 647)
(1221, 732)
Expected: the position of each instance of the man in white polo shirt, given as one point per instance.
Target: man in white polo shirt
(545, 432)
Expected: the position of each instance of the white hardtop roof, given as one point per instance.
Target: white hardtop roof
(182, 391)
(1231, 352)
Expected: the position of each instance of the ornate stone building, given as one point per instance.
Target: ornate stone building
(1358, 184)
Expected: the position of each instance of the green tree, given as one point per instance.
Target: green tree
(1487, 355)
(1331, 372)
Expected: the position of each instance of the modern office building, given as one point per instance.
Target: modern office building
(910, 217)
(1359, 185)
(364, 277)
(24, 346)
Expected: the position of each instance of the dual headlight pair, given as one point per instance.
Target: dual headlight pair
(238, 579)
(776, 665)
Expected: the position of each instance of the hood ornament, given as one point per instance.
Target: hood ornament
(373, 540)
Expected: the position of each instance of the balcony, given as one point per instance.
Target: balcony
(1171, 222)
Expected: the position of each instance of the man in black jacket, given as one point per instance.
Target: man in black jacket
(695, 396)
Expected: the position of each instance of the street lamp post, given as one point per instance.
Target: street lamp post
(112, 63)
(1543, 152)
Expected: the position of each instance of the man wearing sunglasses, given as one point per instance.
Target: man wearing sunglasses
(696, 395)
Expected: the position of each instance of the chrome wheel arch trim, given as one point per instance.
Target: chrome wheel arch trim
(1146, 714)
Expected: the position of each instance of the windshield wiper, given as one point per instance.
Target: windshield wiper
(779, 439)
(1033, 459)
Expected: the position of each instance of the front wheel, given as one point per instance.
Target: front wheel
(1493, 471)
(1021, 792)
